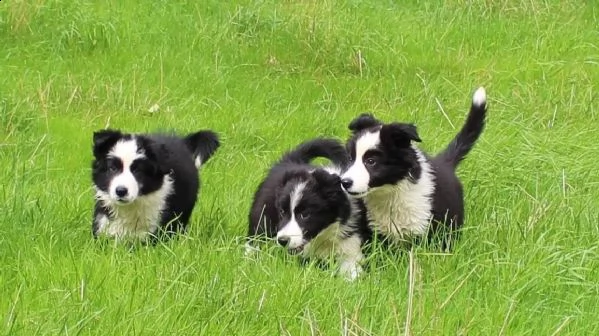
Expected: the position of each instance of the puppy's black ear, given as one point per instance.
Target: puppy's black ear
(157, 155)
(104, 140)
(282, 182)
(399, 134)
(329, 184)
(364, 120)
(324, 177)
(202, 144)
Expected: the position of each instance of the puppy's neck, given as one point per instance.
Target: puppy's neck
(403, 209)
(140, 218)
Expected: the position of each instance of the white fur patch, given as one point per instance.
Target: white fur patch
(139, 218)
(357, 173)
(126, 151)
(292, 230)
(325, 243)
(250, 249)
(350, 257)
(333, 242)
(403, 209)
(333, 170)
(480, 97)
(198, 162)
(101, 222)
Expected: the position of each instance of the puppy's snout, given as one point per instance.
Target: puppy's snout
(121, 191)
(347, 183)
(283, 241)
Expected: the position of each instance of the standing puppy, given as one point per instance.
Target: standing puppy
(147, 184)
(407, 192)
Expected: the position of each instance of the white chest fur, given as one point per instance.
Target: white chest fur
(138, 219)
(403, 210)
(348, 251)
(335, 241)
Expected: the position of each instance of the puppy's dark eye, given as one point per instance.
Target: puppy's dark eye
(141, 166)
(304, 215)
(112, 166)
(282, 212)
(137, 166)
(370, 162)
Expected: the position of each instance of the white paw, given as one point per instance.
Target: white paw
(350, 270)
(250, 249)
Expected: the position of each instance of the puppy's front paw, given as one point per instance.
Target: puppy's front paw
(350, 270)
(250, 250)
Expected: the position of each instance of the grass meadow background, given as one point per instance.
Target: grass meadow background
(267, 75)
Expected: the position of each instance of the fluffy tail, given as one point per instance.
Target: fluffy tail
(463, 142)
(321, 147)
(202, 144)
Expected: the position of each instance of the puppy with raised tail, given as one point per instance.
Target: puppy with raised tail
(408, 193)
(147, 184)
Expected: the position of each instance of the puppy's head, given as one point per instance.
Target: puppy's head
(381, 154)
(308, 203)
(125, 167)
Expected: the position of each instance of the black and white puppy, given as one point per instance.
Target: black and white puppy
(147, 184)
(304, 207)
(408, 193)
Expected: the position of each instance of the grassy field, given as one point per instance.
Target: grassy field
(267, 75)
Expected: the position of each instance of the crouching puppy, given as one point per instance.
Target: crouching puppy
(408, 193)
(147, 184)
(305, 209)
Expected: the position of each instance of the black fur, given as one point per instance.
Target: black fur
(165, 154)
(463, 142)
(363, 121)
(304, 153)
(448, 199)
(202, 144)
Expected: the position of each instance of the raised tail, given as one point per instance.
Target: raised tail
(463, 142)
(202, 144)
(321, 147)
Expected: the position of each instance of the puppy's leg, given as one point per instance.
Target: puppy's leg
(260, 228)
(350, 257)
(171, 223)
(100, 220)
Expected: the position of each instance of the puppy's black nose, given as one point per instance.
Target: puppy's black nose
(283, 241)
(121, 191)
(347, 183)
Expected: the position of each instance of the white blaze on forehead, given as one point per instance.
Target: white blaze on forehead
(296, 195)
(292, 231)
(366, 142)
(126, 151)
(333, 170)
(357, 173)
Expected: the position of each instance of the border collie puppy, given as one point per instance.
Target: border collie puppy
(147, 184)
(408, 193)
(304, 207)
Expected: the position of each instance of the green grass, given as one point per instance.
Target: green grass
(267, 75)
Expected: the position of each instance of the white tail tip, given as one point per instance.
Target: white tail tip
(198, 162)
(480, 97)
